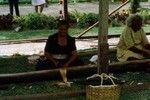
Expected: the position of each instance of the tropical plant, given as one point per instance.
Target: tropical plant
(87, 20)
(20, 21)
(6, 22)
(145, 13)
(77, 15)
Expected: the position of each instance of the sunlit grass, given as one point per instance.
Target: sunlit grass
(33, 34)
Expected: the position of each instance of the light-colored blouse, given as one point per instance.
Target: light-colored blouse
(128, 39)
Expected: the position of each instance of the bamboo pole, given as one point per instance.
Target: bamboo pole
(81, 34)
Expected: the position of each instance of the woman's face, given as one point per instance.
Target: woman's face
(138, 25)
(63, 30)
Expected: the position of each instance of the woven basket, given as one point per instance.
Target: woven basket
(103, 92)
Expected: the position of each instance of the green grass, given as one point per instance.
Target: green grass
(49, 87)
(35, 88)
(15, 64)
(113, 30)
(33, 34)
(139, 95)
(18, 63)
(12, 35)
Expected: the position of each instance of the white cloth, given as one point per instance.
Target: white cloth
(94, 59)
(38, 2)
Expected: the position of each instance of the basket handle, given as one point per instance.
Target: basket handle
(107, 76)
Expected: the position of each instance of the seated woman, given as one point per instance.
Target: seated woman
(60, 50)
(133, 43)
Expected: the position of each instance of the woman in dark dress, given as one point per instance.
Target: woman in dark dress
(60, 50)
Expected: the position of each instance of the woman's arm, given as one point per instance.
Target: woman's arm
(144, 52)
(71, 59)
(147, 46)
(50, 57)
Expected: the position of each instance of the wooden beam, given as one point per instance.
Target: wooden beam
(74, 72)
(130, 66)
(45, 75)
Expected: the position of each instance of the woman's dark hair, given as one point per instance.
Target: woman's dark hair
(135, 22)
(63, 22)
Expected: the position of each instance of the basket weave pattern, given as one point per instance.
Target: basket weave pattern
(103, 92)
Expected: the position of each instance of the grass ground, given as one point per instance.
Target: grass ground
(32, 34)
(49, 87)
(16, 64)
(12, 35)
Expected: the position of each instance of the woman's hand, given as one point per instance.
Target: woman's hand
(146, 53)
(56, 63)
(65, 65)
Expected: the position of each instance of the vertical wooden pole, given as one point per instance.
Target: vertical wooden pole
(61, 10)
(66, 9)
(102, 37)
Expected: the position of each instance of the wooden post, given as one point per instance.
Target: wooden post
(65, 9)
(61, 11)
(102, 37)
